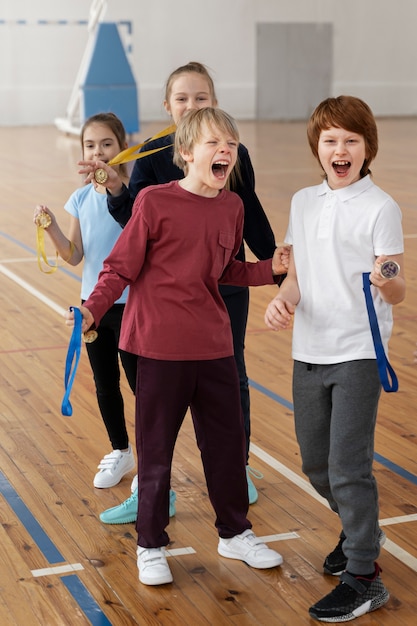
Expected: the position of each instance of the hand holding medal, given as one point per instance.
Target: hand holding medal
(384, 270)
(89, 334)
(43, 219)
(101, 175)
(389, 269)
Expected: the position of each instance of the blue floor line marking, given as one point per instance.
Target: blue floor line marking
(80, 594)
(396, 469)
(271, 394)
(85, 601)
(33, 527)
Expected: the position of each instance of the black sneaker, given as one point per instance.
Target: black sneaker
(335, 562)
(354, 596)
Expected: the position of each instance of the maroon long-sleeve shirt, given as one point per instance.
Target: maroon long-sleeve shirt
(173, 253)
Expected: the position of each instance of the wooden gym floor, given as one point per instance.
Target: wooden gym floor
(59, 564)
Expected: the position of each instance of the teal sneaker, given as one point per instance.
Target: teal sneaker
(252, 492)
(127, 511)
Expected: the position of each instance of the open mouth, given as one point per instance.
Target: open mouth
(219, 169)
(341, 167)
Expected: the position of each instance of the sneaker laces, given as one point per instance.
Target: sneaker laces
(129, 500)
(255, 473)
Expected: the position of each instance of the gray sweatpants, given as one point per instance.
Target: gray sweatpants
(335, 408)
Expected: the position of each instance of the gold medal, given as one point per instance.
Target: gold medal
(100, 175)
(43, 220)
(90, 336)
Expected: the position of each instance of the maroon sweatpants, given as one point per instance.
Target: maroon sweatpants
(165, 390)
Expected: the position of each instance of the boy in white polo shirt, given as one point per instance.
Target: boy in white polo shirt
(340, 229)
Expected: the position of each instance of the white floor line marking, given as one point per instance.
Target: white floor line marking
(180, 551)
(19, 281)
(401, 554)
(23, 260)
(59, 569)
(285, 471)
(26, 259)
(401, 519)
(391, 547)
(280, 537)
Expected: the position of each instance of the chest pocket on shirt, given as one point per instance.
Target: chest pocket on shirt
(223, 253)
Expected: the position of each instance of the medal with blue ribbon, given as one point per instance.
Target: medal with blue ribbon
(384, 368)
(71, 363)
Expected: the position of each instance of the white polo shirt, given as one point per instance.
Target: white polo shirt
(336, 235)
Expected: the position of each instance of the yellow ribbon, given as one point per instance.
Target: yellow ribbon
(130, 154)
(40, 239)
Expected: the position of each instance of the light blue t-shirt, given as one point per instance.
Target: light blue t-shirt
(99, 232)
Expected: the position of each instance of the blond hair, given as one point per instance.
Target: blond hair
(189, 130)
(195, 67)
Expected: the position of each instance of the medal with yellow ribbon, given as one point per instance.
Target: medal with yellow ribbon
(132, 154)
(42, 221)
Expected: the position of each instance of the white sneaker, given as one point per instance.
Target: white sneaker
(134, 484)
(113, 467)
(153, 567)
(249, 548)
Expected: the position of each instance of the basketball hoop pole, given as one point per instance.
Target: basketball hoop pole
(71, 124)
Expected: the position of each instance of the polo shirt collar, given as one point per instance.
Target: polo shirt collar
(346, 193)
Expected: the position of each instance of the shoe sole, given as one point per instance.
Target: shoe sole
(367, 607)
(129, 520)
(257, 565)
(156, 581)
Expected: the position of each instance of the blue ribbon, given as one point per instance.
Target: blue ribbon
(384, 367)
(74, 351)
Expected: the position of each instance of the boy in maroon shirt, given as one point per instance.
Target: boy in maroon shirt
(178, 246)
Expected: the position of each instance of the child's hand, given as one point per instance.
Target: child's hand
(279, 314)
(113, 182)
(41, 214)
(280, 260)
(87, 321)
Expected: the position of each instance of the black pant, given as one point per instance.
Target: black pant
(237, 304)
(103, 354)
